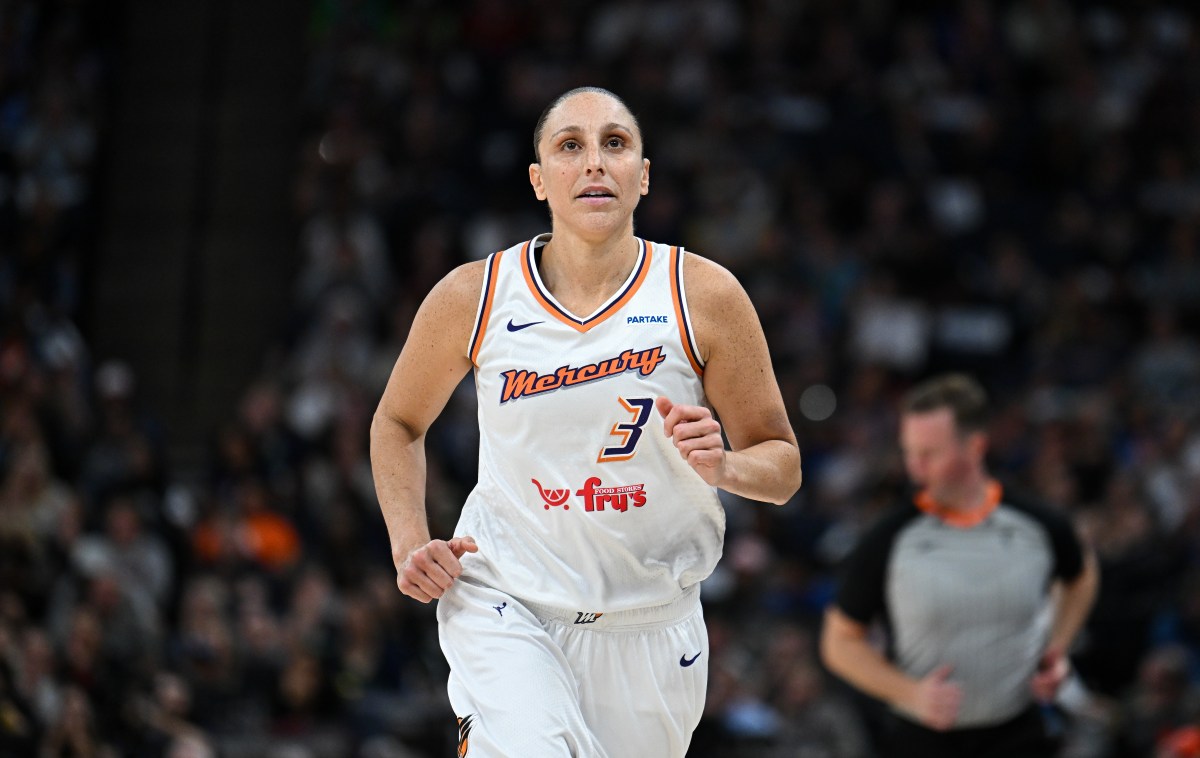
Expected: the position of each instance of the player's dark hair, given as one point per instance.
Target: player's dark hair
(964, 396)
(541, 122)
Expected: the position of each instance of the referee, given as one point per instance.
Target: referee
(981, 594)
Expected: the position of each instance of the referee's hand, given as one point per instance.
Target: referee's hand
(937, 699)
(1052, 671)
(430, 569)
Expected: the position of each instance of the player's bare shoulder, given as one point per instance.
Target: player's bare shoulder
(449, 310)
(718, 305)
(454, 300)
(461, 287)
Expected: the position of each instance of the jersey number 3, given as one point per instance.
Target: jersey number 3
(628, 432)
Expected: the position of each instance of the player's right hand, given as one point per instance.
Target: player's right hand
(937, 699)
(430, 569)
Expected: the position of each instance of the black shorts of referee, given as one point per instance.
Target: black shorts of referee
(1033, 733)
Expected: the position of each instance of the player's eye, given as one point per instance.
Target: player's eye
(615, 142)
(570, 145)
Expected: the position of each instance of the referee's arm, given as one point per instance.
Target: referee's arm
(1074, 602)
(846, 651)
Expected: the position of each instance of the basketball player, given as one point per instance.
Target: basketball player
(569, 594)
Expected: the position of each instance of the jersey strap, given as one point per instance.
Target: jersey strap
(679, 298)
(485, 306)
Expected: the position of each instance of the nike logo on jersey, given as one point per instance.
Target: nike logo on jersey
(518, 327)
(685, 661)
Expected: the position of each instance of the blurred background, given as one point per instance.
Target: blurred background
(217, 219)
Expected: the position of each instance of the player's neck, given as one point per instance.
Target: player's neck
(576, 269)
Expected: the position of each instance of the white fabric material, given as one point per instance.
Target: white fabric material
(551, 688)
(582, 502)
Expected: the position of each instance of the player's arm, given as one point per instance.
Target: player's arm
(431, 364)
(846, 651)
(763, 462)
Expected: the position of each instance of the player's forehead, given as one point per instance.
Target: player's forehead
(589, 110)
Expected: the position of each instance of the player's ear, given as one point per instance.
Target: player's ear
(645, 188)
(535, 179)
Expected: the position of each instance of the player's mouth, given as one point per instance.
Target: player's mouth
(595, 195)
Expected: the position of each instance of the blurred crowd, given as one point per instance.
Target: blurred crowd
(1011, 189)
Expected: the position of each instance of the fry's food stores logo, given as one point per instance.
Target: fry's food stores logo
(595, 497)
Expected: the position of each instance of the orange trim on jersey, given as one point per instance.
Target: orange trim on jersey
(560, 314)
(957, 518)
(485, 312)
(685, 334)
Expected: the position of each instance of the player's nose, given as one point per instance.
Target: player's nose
(594, 160)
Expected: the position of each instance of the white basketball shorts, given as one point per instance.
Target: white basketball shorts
(528, 681)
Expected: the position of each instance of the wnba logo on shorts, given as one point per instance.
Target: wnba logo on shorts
(464, 733)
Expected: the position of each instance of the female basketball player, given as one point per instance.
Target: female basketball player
(569, 594)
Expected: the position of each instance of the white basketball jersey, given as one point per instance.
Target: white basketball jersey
(582, 502)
